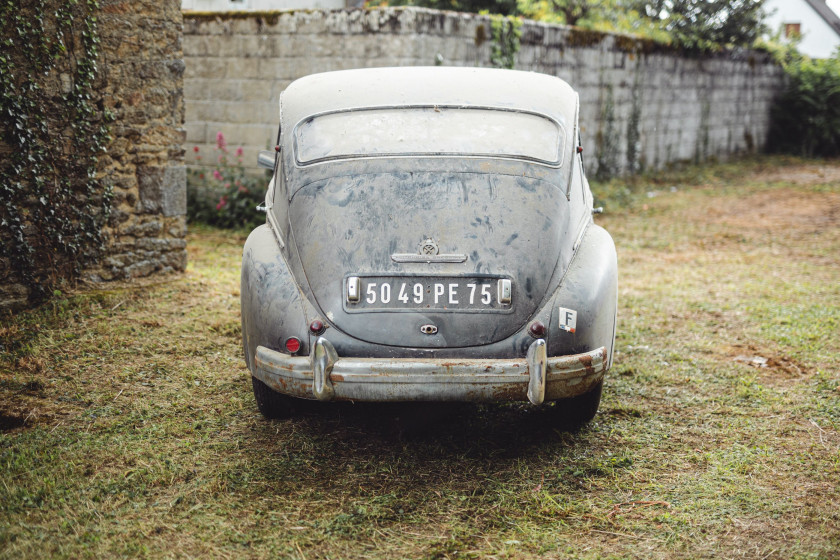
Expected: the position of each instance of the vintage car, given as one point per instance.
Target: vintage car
(429, 237)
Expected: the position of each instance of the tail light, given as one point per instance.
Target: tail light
(293, 345)
(537, 329)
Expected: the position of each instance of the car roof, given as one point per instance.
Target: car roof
(424, 86)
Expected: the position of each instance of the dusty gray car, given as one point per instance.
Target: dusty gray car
(429, 238)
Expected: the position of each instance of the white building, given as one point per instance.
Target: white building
(814, 20)
(267, 5)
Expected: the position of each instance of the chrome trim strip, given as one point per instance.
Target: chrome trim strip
(585, 221)
(272, 221)
(415, 258)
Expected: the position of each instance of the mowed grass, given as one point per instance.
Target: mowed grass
(128, 427)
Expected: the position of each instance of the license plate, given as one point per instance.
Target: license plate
(428, 293)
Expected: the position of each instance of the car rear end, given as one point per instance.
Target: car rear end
(439, 251)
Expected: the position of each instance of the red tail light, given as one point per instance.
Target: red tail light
(293, 345)
(537, 329)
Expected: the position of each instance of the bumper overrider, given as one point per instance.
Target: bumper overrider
(326, 376)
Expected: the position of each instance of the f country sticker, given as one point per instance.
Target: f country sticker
(568, 319)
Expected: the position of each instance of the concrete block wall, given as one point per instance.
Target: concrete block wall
(666, 106)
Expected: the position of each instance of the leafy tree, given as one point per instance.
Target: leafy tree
(573, 11)
(694, 24)
(705, 24)
(581, 13)
(503, 7)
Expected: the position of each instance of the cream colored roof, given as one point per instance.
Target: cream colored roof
(451, 86)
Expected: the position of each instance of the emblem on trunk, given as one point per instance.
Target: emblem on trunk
(428, 329)
(427, 252)
(429, 247)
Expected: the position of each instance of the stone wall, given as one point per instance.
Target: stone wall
(144, 88)
(140, 73)
(641, 105)
(139, 81)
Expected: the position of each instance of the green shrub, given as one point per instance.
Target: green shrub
(805, 119)
(228, 195)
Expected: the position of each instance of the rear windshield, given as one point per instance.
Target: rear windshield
(428, 131)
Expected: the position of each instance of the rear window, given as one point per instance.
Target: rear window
(428, 131)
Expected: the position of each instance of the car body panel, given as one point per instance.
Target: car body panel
(503, 225)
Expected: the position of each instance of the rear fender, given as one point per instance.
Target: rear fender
(583, 310)
(273, 307)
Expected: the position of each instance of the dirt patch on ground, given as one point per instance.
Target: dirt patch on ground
(28, 403)
(786, 208)
(770, 367)
(9, 422)
(813, 174)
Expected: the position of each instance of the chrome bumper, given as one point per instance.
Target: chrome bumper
(323, 375)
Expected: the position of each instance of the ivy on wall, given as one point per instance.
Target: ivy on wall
(506, 32)
(54, 129)
(608, 137)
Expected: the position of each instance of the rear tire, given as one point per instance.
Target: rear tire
(271, 403)
(577, 411)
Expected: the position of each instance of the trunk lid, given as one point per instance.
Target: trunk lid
(507, 227)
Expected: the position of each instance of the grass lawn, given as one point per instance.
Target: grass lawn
(128, 427)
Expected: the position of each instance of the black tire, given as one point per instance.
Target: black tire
(271, 403)
(577, 411)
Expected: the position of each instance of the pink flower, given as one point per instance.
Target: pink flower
(242, 189)
(217, 175)
(239, 151)
(220, 141)
(222, 203)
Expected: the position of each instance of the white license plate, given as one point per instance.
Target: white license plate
(428, 293)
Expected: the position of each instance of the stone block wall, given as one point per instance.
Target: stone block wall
(642, 105)
(140, 74)
(144, 87)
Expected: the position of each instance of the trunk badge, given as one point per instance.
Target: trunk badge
(428, 329)
(428, 253)
(429, 247)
